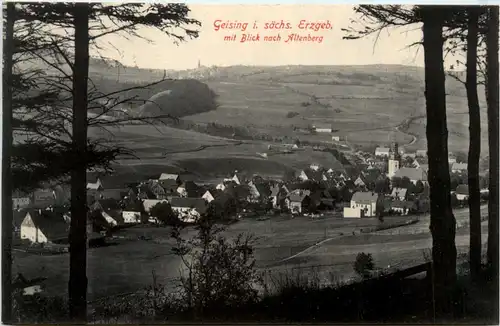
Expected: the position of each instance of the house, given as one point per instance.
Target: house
(403, 206)
(459, 167)
(452, 159)
(462, 192)
(298, 201)
(421, 153)
(95, 185)
(399, 193)
(237, 178)
(160, 191)
(169, 182)
(188, 210)
(258, 191)
(382, 151)
(148, 204)
(109, 210)
(278, 195)
(335, 138)
(132, 212)
(414, 174)
(208, 196)
(43, 198)
(409, 155)
(20, 200)
(360, 181)
(189, 189)
(43, 226)
(323, 129)
(364, 204)
(314, 167)
(312, 175)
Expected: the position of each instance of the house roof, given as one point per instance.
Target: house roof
(462, 190)
(150, 203)
(113, 193)
(403, 204)
(412, 174)
(18, 216)
(298, 195)
(313, 175)
(365, 196)
(382, 150)
(459, 166)
(168, 176)
(191, 187)
(198, 203)
(263, 189)
(399, 192)
(106, 204)
(51, 223)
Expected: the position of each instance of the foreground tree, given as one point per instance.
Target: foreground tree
(474, 142)
(492, 86)
(443, 224)
(90, 22)
(7, 215)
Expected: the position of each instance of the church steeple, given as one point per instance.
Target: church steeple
(394, 162)
(199, 63)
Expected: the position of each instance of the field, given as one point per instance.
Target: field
(283, 244)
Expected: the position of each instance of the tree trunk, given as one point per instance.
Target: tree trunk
(474, 145)
(492, 101)
(7, 214)
(442, 225)
(78, 232)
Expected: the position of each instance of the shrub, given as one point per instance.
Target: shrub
(363, 266)
(292, 114)
(164, 213)
(218, 273)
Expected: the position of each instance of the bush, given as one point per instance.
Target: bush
(218, 273)
(292, 114)
(164, 213)
(363, 266)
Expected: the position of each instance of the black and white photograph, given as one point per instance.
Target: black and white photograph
(249, 163)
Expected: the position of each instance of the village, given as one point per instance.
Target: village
(386, 182)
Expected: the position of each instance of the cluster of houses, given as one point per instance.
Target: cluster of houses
(388, 182)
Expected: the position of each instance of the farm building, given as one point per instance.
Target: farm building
(299, 201)
(323, 128)
(364, 204)
(459, 167)
(189, 189)
(414, 174)
(382, 151)
(188, 209)
(462, 192)
(399, 193)
(43, 226)
(335, 138)
(403, 206)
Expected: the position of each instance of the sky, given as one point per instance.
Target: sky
(211, 49)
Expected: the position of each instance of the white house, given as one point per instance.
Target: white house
(368, 202)
(130, 217)
(20, 201)
(188, 209)
(208, 196)
(42, 226)
(452, 159)
(95, 185)
(323, 129)
(335, 138)
(235, 178)
(382, 151)
(402, 206)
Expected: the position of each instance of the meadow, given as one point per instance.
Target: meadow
(283, 245)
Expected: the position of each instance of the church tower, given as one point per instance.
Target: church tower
(394, 160)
